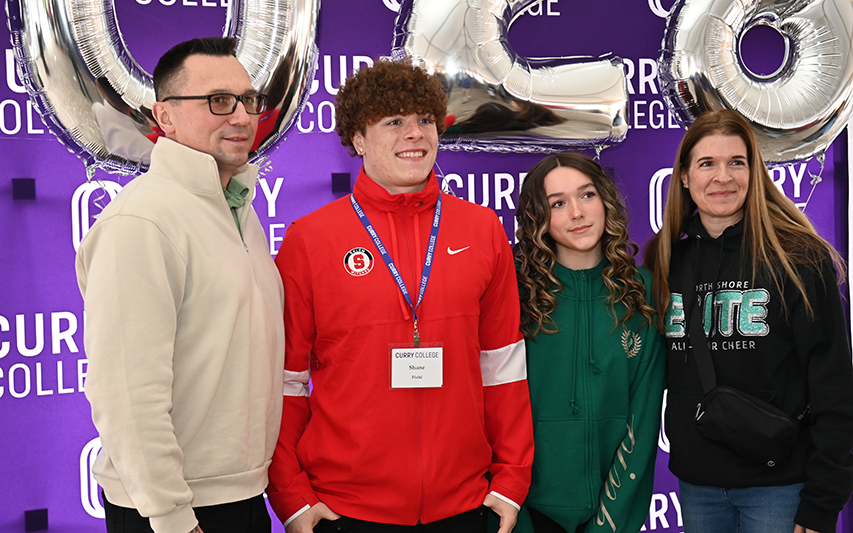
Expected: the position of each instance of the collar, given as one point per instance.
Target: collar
(196, 170)
(563, 272)
(731, 234)
(235, 193)
(368, 192)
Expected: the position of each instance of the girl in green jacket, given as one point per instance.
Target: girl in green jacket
(595, 361)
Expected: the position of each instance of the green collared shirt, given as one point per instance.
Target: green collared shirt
(235, 195)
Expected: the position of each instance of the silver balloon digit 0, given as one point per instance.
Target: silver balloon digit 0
(277, 46)
(797, 111)
(499, 101)
(96, 99)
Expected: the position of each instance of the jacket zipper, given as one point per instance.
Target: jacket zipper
(420, 455)
(584, 377)
(407, 227)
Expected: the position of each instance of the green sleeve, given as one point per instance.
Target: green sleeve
(627, 491)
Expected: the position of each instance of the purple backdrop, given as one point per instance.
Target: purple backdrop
(45, 425)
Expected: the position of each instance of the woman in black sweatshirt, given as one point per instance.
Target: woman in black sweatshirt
(766, 285)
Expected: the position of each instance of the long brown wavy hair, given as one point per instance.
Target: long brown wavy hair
(769, 217)
(536, 251)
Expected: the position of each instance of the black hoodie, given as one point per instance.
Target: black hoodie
(774, 352)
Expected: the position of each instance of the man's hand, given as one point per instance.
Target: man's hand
(305, 522)
(800, 529)
(508, 513)
(197, 529)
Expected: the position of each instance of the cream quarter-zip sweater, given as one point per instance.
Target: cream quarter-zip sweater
(185, 341)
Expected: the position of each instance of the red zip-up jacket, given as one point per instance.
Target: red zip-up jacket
(389, 455)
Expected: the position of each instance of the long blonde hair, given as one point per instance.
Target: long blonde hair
(769, 217)
(535, 252)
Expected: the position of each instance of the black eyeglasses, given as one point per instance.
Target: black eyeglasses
(225, 104)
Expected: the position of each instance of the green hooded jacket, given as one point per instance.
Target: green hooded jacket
(596, 395)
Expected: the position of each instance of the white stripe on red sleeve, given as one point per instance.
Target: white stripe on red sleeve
(504, 365)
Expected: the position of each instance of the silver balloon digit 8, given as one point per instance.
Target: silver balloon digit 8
(96, 99)
(499, 101)
(798, 110)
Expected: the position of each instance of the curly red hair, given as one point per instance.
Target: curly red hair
(386, 89)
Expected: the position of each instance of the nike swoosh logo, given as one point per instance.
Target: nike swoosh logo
(454, 252)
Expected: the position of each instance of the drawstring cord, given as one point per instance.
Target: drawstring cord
(417, 229)
(403, 305)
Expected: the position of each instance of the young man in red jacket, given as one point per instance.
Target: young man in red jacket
(401, 307)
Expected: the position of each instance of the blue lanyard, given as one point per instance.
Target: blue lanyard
(433, 236)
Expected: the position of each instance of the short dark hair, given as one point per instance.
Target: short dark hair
(386, 89)
(169, 67)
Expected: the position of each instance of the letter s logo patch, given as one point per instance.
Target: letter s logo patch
(358, 262)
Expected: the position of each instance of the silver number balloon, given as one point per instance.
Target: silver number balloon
(96, 99)
(797, 111)
(499, 101)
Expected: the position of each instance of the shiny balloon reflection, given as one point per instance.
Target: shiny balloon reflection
(499, 101)
(796, 111)
(97, 100)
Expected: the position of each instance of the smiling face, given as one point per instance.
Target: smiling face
(399, 151)
(577, 217)
(718, 180)
(228, 138)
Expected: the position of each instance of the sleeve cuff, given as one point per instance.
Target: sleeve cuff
(507, 500)
(296, 514)
(181, 519)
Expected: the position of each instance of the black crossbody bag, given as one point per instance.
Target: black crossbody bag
(751, 428)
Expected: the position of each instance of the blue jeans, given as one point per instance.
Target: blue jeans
(749, 510)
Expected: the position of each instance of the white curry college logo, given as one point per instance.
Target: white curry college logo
(393, 5)
(88, 486)
(358, 262)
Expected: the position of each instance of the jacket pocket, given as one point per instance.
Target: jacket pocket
(561, 466)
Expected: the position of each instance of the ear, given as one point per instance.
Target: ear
(684, 181)
(163, 114)
(358, 143)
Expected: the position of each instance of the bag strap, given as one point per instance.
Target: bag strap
(700, 349)
(698, 340)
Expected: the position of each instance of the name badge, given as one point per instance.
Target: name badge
(417, 368)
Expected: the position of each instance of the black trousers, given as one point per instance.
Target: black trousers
(246, 516)
(473, 521)
(544, 524)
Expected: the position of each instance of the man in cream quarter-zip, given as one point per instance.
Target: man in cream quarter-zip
(184, 327)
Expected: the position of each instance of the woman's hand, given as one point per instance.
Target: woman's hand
(800, 529)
